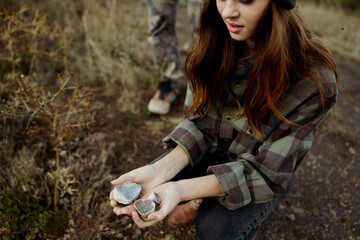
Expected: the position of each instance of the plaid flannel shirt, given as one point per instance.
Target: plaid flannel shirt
(258, 169)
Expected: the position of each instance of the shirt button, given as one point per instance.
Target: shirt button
(228, 117)
(249, 131)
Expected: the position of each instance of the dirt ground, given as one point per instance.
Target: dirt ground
(324, 199)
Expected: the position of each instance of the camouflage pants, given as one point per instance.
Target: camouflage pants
(162, 36)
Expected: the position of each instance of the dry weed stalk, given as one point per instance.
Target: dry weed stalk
(56, 115)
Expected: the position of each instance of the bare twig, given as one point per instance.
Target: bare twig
(42, 104)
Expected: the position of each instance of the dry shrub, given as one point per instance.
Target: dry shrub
(52, 115)
(44, 114)
(89, 210)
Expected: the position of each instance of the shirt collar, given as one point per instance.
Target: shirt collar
(244, 66)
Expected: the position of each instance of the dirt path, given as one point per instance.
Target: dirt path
(324, 200)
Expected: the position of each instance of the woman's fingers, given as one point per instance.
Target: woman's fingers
(124, 210)
(158, 215)
(113, 203)
(120, 180)
(140, 175)
(152, 218)
(141, 223)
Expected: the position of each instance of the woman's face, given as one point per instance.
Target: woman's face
(241, 16)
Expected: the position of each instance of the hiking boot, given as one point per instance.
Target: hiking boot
(254, 237)
(184, 214)
(161, 101)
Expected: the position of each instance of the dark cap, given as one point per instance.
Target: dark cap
(287, 4)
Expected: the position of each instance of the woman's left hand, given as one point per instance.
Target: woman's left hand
(170, 197)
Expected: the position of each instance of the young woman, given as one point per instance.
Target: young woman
(259, 84)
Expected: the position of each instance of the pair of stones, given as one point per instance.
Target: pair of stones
(129, 192)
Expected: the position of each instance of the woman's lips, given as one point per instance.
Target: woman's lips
(234, 28)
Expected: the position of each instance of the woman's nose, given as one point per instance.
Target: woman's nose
(230, 10)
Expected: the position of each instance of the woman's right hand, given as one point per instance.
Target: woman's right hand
(151, 176)
(147, 176)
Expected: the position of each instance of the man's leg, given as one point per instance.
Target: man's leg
(163, 40)
(193, 11)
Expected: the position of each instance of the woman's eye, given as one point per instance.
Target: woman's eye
(246, 1)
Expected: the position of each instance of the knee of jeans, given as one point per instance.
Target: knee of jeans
(207, 229)
(207, 226)
(212, 223)
(216, 222)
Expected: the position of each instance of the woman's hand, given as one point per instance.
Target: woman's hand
(148, 177)
(170, 197)
(172, 193)
(151, 176)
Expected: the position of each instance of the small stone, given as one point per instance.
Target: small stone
(298, 210)
(291, 217)
(144, 207)
(281, 206)
(343, 204)
(352, 151)
(126, 193)
(154, 197)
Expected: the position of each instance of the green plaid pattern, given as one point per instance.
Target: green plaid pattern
(258, 169)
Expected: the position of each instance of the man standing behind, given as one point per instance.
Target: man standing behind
(163, 40)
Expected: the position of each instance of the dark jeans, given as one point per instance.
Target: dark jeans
(214, 221)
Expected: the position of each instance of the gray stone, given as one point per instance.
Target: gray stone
(144, 207)
(154, 197)
(126, 193)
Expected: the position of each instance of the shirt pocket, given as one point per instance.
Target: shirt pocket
(245, 139)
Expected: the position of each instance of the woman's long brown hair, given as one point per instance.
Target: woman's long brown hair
(284, 45)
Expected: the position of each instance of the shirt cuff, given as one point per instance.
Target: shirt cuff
(233, 184)
(189, 137)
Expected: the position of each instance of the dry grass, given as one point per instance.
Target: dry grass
(337, 28)
(114, 41)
